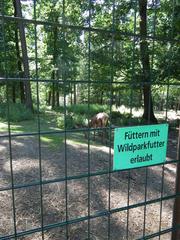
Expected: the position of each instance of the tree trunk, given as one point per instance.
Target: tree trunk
(102, 97)
(57, 99)
(53, 95)
(178, 106)
(148, 114)
(19, 66)
(75, 93)
(54, 63)
(27, 86)
(49, 98)
(71, 94)
(22, 95)
(14, 92)
(119, 99)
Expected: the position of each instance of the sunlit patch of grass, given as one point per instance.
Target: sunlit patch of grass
(47, 123)
(84, 141)
(20, 127)
(52, 141)
(3, 127)
(79, 138)
(24, 126)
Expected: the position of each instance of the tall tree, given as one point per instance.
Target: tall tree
(27, 85)
(148, 114)
(19, 66)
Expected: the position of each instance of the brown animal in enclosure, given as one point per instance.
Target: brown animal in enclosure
(100, 120)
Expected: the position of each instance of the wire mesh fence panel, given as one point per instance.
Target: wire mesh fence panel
(71, 72)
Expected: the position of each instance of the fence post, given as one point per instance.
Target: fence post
(176, 214)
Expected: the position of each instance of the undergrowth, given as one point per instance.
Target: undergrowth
(15, 113)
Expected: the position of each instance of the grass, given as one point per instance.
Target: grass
(53, 141)
(78, 114)
(48, 123)
(54, 120)
(3, 126)
(16, 112)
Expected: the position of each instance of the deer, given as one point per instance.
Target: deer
(100, 120)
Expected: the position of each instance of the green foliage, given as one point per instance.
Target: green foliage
(125, 119)
(115, 115)
(63, 55)
(61, 122)
(80, 120)
(72, 121)
(120, 119)
(59, 109)
(78, 115)
(17, 112)
(84, 109)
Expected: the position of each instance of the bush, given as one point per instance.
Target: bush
(69, 122)
(17, 112)
(59, 109)
(72, 121)
(115, 115)
(80, 120)
(124, 119)
(82, 109)
(78, 114)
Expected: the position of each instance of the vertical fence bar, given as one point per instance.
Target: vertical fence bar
(89, 79)
(176, 213)
(110, 120)
(65, 119)
(8, 120)
(128, 203)
(131, 102)
(151, 78)
(166, 116)
(133, 56)
(38, 121)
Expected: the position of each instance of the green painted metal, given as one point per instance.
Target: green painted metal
(140, 146)
(83, 176)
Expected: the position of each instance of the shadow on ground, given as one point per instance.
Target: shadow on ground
(26, 160)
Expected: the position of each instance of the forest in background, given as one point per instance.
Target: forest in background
(83, 57)
(62, 62)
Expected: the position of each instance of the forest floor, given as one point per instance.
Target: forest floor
(155, 182)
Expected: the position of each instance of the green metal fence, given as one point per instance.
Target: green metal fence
(81, 172)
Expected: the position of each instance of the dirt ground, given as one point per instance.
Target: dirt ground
(153, 183)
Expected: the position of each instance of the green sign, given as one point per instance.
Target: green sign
(140, 146)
